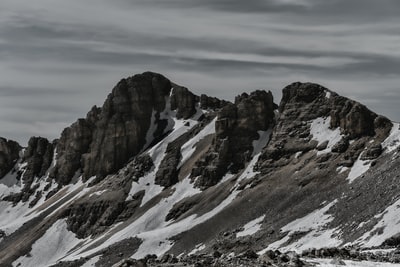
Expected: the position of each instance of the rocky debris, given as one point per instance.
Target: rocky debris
(75, 263)
(138, 167)
(93, 218)
(131, 263)
(372, 152)
(114, 256)
(118, 254)
(250, 258)
(9, 154)
(179, 209)
(341, 146)
(236, 128)
(392, 256)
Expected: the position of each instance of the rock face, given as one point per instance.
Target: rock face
(109, 136)
(303, 102)
(9, 154)
(38, 155)
(236, 128)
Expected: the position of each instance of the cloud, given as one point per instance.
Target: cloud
(58, 58)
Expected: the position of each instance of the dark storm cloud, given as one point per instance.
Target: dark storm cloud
(58, 58)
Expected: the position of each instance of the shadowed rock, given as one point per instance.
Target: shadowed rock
(9, 154)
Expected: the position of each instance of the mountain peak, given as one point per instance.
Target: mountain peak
(158, 169)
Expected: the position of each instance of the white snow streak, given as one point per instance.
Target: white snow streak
(51, 247)
(321, 132)
(358, 169)
(92, 262)
(251, 227)
(198, 248)
(393, 140)
(189, 147)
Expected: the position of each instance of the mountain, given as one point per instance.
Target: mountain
(159, 171)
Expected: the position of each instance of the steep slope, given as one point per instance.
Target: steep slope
(160, 170)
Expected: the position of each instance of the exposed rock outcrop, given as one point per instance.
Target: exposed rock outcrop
(9, 154)
(304, 102)
(109, 136)
(37, 157)
(236, 128)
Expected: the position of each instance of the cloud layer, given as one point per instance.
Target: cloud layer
(58, 58)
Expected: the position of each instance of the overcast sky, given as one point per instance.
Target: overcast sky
(58, 58)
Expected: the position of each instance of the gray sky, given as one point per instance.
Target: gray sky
(58, 58)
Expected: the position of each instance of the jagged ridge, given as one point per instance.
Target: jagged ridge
(181, 170)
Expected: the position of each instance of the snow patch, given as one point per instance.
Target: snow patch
(98, 193)
(341, 169)
(388, 226)
(298, 154)
(359, 168)
(251, 227)
(328, 94)
(198, 248)
(51, 247)
(92, 262)
(227, 177)
(393, 140)
(321, 132)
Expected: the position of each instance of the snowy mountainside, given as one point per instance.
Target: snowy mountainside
(159, 170)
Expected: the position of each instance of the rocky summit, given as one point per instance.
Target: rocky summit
(159, 176)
